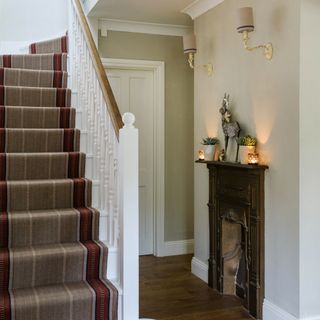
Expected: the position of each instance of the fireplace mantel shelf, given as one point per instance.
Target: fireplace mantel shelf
(234, 165)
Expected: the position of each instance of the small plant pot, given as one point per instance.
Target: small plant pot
(209, 152)
(243, 153)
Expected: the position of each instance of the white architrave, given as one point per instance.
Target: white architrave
(158, 68)
(199, 7)
(106, 25)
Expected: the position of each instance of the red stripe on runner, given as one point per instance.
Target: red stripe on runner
(7, 61)
(1, 95)
(57, 79)
(64, 118)
(93, 278)
(102, 299)
(3, 230)
(64, 44)
(3, 196)
(57, 62)
(33, 48)
(1, 76)
(79, 190)
(85, 224)
(2, 117)
(2, 139)
(3, 167)
(5, 310)
(61, 98)
(68, 140)
(73, 165)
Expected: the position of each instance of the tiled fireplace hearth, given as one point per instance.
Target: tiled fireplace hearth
(236, 222)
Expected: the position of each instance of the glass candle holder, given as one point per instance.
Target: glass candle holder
(253, 158)
(201, 155)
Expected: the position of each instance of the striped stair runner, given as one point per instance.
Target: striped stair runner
(52, 265)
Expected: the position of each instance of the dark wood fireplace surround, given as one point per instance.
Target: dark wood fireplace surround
(236, 197)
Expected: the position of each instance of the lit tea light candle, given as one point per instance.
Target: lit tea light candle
(253, 158)
(201, 155)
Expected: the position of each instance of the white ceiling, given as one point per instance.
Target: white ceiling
(153, 11)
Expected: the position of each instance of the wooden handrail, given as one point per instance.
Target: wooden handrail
(101, 74)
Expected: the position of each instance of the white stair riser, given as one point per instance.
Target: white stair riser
(79, 122)
(95, 195)
(89, 166)
(113, 264)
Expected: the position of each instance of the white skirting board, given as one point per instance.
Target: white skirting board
(273, 312)
(120, 299)
(176, 248)
(199, 269)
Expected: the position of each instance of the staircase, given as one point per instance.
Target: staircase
(52, 265)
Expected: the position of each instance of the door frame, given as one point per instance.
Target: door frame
(158, 69)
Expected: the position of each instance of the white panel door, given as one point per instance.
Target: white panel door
(134, 92)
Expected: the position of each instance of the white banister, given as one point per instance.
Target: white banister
(129, 222)
(114, 162)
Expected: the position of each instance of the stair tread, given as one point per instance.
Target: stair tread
(44, 61)
(56, 45)
(50, 249)
(39, 154)
(47, 212)
(35, 96)
(39, 140)
(35, 88)
(44, 181)
(32, 54)
(25, 195)
(35, 108)
(32, 70)
(33, 78)
(29, 117)
(40, 129)
(55, 263)
(62, 301)
(30, 228)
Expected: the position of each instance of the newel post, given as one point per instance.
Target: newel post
(129, 217)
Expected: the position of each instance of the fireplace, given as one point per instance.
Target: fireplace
(233, 232)
(236, 222)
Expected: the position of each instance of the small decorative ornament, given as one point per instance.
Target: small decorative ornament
(231, 129)
(222, 155)
(201, 155)
(209, 149)
(253, 158)
(246, 144)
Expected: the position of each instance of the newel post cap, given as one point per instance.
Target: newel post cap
(128, 119)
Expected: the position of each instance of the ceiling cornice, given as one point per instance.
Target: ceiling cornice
(199, 7)
(106, 25)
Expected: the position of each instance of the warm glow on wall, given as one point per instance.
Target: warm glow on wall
(264, 118)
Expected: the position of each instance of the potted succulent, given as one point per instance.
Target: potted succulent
(247, 144)
(209, 150)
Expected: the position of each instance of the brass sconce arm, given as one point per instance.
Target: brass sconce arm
(268, 48)
(208, 67)
(191, 60)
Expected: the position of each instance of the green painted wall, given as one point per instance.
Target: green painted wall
(178, 120)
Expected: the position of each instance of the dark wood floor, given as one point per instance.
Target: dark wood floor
(169, 291)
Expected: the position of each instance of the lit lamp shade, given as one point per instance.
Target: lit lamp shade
(189, 43)
(245, 22)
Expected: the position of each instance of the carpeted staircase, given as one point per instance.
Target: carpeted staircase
(52, 265)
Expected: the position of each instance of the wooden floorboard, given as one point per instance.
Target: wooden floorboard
(168, 291)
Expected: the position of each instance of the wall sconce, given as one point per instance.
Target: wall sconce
(190, 48)
(245, 26)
